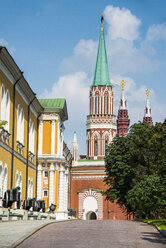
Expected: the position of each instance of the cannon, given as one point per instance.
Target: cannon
(52, 208)
(29, 203)
(40, 205)
(11, 196)
(36, 205)
(71, 212)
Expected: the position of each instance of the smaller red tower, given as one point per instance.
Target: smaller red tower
(123, 120)
(147, 116)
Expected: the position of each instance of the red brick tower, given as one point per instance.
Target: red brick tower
(123, 121)
(147, 116)
(87, 175)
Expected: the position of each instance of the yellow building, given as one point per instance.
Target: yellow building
(18, 139)
(53, 162)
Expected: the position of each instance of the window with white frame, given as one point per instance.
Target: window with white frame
(3, 100)
(5, 178)
(31, 188)
(45, 193)
(1, 182)
(20, 183)
(31, 136)
(5, 106)
(20, 124)
(7, 110)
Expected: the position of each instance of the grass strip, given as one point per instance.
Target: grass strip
(160, 223)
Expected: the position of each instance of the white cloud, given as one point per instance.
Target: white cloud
(3, 42)
(84, 56)
(75, 89)
(122, 23)
(124, 59)
(156, 32)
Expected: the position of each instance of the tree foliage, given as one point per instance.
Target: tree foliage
(135, 164)
(2, 124)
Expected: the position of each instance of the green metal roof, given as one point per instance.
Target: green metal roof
(57, 103)
(101, 76)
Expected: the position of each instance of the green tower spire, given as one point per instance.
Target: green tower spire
(101, 76)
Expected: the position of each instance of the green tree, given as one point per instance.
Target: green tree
(2, 124)
(118, 170)
(148, 197)
(131, 160)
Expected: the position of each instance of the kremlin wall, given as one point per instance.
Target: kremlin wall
(34, 157)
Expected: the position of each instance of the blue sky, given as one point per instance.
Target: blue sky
(55, 44)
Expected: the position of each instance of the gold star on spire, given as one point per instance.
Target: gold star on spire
(123, 84)
(102, 18)
(147, 93)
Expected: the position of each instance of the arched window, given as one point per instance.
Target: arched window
(106, 145)
(20, 184)
(96, 148)
(106, 104)
(30, 135)
(97, 104)
(7, 110)
(1, 181)
(3, 100)
(18, 122)
(31, 188)
(17, 180)
(5, 177)
(22, 127)
(33, 137)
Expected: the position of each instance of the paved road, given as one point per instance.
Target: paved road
(13, 231)
(96, 234)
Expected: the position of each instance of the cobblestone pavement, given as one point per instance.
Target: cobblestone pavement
(96, 234)
(12, 231)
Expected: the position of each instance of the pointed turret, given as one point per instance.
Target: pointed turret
(101, 121)
(75, 148)
(123, 121)
(101, 76)
(147, 116)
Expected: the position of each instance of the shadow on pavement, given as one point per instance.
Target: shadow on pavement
(154, 237)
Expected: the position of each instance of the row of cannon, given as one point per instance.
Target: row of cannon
(14, 195)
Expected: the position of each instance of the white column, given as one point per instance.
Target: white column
(53, 137)
(40, 136)
(51, 184)
(58, 138)
(39, 182)
(65, 189)
(61, 189)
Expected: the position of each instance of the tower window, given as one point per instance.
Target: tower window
(96, 148)
(97, 104)
(106, 144)
(106, 104)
